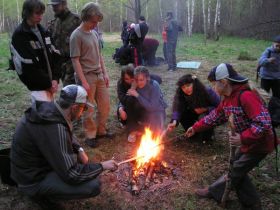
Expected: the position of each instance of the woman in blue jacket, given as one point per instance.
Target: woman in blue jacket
(149, 95)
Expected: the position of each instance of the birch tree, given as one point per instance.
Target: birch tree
(209, 19)
(176, 9)
(18, 13)
(190, 15)
(2, 17)
(204, 21)
(160, 9)
(217, 21)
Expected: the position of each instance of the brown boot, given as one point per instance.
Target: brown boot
(203, 193)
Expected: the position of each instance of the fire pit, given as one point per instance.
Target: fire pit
(148, 168)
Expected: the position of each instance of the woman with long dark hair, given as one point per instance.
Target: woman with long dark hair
(192, 100)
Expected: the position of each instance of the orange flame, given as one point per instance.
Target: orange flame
(148, 148)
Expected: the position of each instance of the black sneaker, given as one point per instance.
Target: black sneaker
(91, 142)
(107, 135)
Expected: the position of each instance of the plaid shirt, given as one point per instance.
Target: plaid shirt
(251, 120)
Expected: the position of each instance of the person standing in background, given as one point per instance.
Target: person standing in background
(172, 35)
(91, 73)
(60, 28)
(269, 63)
(34, 56)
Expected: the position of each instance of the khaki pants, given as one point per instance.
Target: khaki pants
(95, 120)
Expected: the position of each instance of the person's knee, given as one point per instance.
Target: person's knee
(94, 187)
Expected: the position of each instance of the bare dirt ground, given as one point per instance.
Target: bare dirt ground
(196, 163)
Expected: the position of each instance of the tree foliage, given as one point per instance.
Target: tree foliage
(250, 18)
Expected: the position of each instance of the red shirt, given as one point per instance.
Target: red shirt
(251, 120)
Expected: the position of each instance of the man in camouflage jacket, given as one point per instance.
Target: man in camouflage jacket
(60, 28)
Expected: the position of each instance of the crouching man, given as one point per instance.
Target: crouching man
(46, 160)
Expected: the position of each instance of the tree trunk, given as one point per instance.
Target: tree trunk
(2, 18)
(204, 21)
(147, 13)
(160, 9)
(76, 6)
(209, 17)
(176, 9)
(217, 20)
(121, 14)
(192, 16)
(18, 13)
(188, 19)
(137, 10)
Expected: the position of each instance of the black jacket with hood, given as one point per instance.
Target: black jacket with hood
(29, 60)
(42, 143)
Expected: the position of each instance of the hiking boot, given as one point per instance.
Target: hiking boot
(91, 142)
(203, 193)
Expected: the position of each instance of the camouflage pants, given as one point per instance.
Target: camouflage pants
(67, 73)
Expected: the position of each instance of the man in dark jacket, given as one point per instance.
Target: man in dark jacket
(46, 159)
(138, 33)
(35, 58)
(172, 35)
(60, 28)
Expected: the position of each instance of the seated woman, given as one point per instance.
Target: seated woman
(130, 112)
(149, 95)
(192, 100)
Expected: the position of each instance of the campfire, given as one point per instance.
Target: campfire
(148, 162)
(147, 170)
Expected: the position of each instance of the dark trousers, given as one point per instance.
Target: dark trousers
(189, 117)
(55, 188)
(149, 56)
(273, 84)
(171, 54)
(136, 114)
(164, 49)
(245, 190)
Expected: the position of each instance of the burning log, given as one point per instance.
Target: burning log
(134, 187)
(149, 174)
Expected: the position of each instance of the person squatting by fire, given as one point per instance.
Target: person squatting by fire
(254, 137)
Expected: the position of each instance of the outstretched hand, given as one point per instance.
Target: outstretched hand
(110, 165)
(190, 132)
